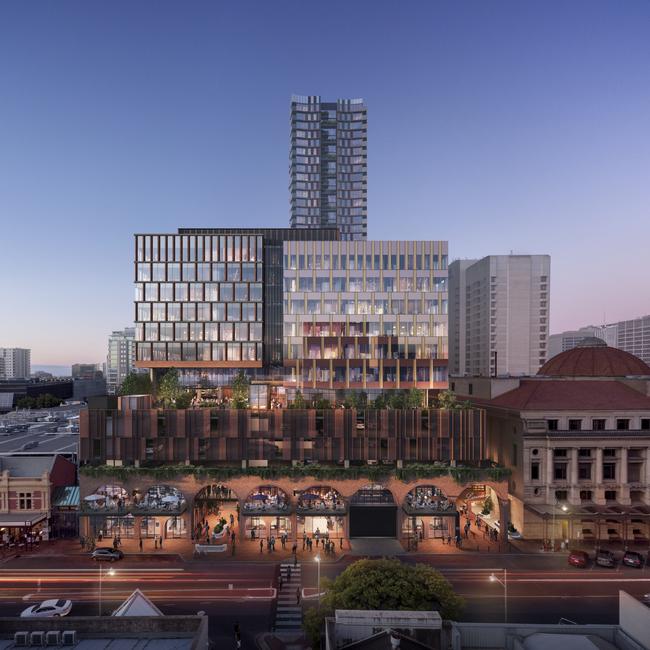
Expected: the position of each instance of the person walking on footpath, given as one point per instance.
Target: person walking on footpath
(140, 544)
(261, 545)
(160, 542)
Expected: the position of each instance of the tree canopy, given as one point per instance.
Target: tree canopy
(136, 383)
(384, 584)
(43, 401)
(239, 387)
(169, 388)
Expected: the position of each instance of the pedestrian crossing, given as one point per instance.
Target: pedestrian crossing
(288, 612)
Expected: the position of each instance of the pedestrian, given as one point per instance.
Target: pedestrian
(304, 541)
(281, 582)
(119, 541)
(155, 543)
(294, 549)
(160, 542)
(140, 544)
(449, 540)
(232, 519)
(288, 573)
(298, 596)
(341, 542)
(261, 545)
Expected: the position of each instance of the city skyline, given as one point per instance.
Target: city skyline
(159, 133)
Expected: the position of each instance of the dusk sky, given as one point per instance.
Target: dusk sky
(500, 126)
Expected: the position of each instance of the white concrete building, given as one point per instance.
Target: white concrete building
(499, 313)
(120, 360)
(15, 363)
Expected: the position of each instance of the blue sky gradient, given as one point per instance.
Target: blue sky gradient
(498, 126)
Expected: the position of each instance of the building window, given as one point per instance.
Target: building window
(560, 471)
(534, 471)
(561, 495)
(552, 425)
(585, 495)
(609, 453)
(575, 425)
(622, 424)
(610, 495)
(560, 453)
(609, 471)
(584, 471)
(584, 453)
(470, 389)
(598, 425)
(645, 424)
(24, 501)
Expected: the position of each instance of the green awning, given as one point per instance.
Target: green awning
(66, 497)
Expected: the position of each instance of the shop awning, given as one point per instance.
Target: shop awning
(22, 519)
(66, 497)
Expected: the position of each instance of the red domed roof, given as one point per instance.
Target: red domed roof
(594, 361)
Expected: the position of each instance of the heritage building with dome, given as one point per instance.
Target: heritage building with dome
(577, 438)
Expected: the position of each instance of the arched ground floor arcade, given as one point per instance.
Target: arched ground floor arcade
(265, 516)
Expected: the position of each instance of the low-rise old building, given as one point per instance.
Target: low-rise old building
(577, 438)
(27, 484)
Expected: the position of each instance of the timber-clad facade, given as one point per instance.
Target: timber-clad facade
(213, 436)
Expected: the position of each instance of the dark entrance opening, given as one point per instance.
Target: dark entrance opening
(373, 513)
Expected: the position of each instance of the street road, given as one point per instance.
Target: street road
(541, 589)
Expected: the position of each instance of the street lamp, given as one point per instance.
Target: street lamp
(317, 558)
(504, 584)
(564, 508)
(111, 572)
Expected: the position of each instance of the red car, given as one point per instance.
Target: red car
(579, 559)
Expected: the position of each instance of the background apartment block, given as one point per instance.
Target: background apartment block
(120, 360)
(328, 165)
(500, 312)
(367, 315)
(631, 336)
(15, 363)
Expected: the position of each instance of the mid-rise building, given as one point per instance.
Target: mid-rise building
(209, 301)
(365, 315)
(120, 360)
(500, 314)
(86, 371)
(328, 165)
(15, 363)
(632, 336)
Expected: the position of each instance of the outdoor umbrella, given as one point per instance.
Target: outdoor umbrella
(95, 497)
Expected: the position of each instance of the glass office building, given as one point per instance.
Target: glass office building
(209, 300)
(368, 315)
(328, 165)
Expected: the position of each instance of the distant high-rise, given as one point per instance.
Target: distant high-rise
(15, 363)
(498, 315)
(120, 360)
(328, 165)
(632, 336)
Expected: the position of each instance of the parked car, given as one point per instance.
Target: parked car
(633, 559)
(107, 554)
(48, 609)
(579, 559)
(605, 558)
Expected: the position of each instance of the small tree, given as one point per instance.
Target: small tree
(299, 401)
(446, 400)
(26, 403)
(488, 505)
(136, 383)
(240, 386)
(396, 400)
(356, 400)
(322, 403)
(169, 388)
(384, 584)
(184, 400)
(413, 399)
(378, 403)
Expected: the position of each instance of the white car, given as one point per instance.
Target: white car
(48, 609)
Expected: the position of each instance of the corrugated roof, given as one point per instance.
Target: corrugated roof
(66, 496)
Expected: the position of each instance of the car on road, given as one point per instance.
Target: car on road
(579, 559)
(633, 559)
(106, 554)
(48, 609)
(605, 558)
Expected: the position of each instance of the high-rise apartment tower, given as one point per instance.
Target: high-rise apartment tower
(328, 165)
(15, 363)
(498, 315)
